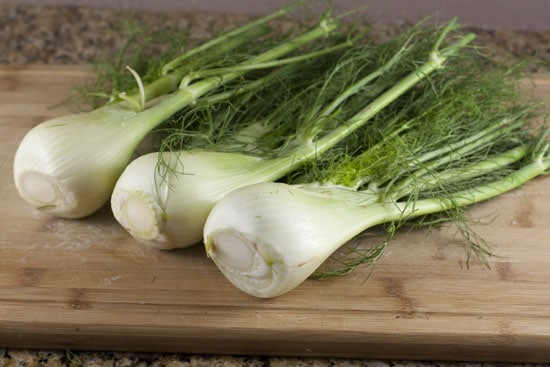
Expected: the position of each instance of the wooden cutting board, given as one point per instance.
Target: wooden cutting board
(86, 284)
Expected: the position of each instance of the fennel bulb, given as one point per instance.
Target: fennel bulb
(268, 238)
(67, 166)
(150, 209)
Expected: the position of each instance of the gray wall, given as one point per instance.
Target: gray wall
(500, 14)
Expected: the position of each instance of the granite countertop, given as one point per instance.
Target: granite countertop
(54, 358)
(70, 35)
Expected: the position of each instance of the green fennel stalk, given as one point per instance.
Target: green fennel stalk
(162, 73)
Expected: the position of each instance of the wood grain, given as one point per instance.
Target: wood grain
(85, 284)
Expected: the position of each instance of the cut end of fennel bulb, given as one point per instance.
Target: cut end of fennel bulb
(46, 194)
(38, 188)
(268, 238)
(141, 216)
(242, 262)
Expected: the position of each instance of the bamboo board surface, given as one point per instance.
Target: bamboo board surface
(85, 284)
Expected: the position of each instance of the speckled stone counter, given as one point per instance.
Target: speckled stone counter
(47, 358)
(49, 34)
(69, 35)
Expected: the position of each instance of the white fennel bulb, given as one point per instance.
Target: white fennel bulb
(68, 166)
(165, 205)
(268, 238)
